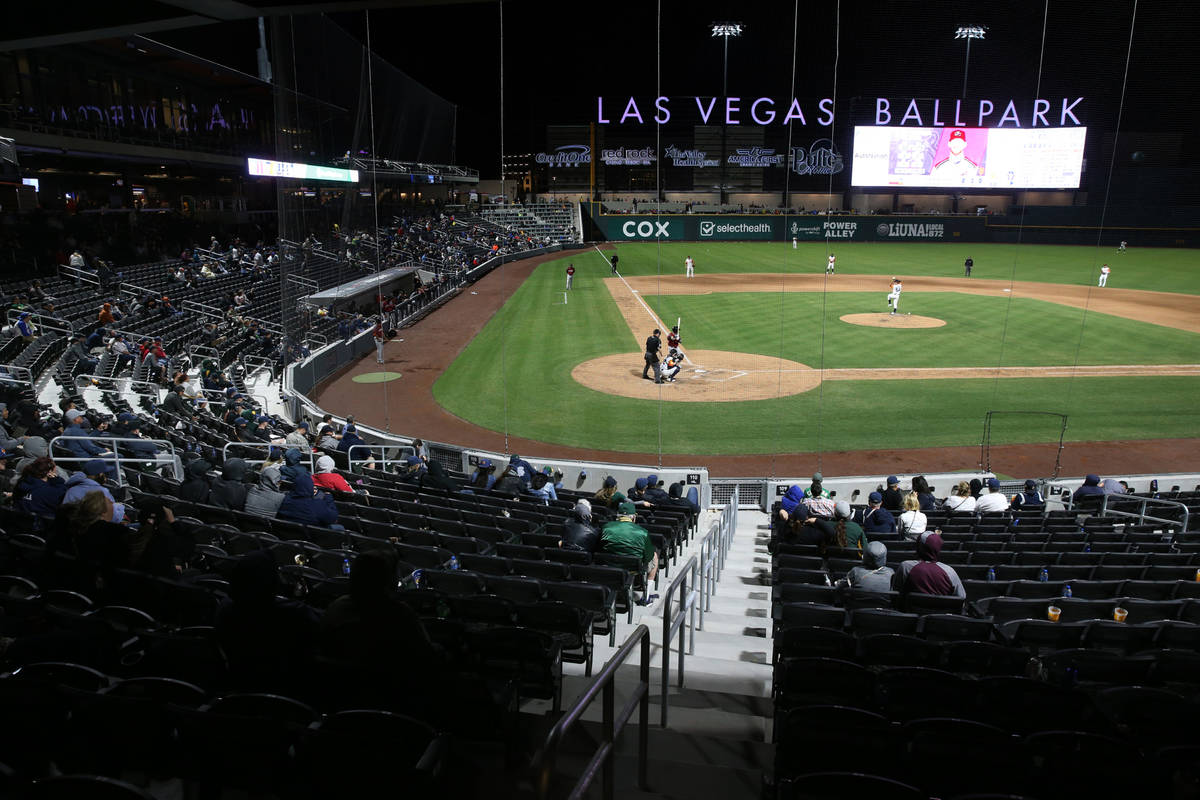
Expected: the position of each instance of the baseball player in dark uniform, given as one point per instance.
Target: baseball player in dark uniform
(673, 340)
(613, 263)
(653, 346)
(970, 262)
(570, 275)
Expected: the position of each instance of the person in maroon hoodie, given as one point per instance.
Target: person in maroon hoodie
(926, 574)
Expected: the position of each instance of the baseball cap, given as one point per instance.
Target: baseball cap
(627, 509)
(303, 425)
(957, 134)
(640, 483)
(583, 508)
(412, 460)
(818, 477)
(875, 497)
(94, 467)
(893, 480)
(71, 415)
(325, 464)
(263, 419)
(675, 328)
(610, 481)
(485, 463)
(547, 470)
(652, 480)
(1030, 483)
(125, 416)
(240, 422)
(993, 484)
(842, 509)
(657, 331)
(326, 429)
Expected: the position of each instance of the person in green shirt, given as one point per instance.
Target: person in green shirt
(843, 531)
(625, 537)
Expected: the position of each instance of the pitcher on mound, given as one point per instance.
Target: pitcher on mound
(893, 297)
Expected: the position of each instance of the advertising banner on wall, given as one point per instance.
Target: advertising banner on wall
(756, 227)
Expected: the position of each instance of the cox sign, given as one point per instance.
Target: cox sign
(646, 229)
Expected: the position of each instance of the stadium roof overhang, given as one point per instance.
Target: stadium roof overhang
(43, 24)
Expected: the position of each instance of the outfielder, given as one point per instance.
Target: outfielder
(893, 297)
(690, 266)
(1121, 249)
(795, 243)
(570, 275)
(829, 266)
(1104, 270)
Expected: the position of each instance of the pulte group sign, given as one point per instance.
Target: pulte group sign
(754, 227)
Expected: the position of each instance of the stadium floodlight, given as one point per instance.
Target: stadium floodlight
(726, 30)
(969, 32)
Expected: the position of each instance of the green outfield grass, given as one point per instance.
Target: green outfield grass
(1157, 269)
(515, 375)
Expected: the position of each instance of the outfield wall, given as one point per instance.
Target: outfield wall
(1036, 226)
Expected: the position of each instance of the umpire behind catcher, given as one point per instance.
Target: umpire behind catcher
(653, 346)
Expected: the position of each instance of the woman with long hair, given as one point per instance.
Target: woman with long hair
(960, 500)
(912, 522)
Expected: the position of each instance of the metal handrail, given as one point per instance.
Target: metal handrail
(159, 458)
(113, 379)
(1141, 514)
(79, 274)
(258, 362)
(7, 374)
(202, 308)
(219, 395)
(312, 458)
(613, 723)
(40, 320)
(370, 448)
(688, 600)
(204, 351)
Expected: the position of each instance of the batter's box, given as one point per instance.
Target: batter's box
(718, 375)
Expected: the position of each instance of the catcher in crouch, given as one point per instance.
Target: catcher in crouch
(671, 365)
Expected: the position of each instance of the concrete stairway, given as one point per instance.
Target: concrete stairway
(719, 726)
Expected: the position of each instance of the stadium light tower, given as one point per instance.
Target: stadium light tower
(969, 32)
(725, 30)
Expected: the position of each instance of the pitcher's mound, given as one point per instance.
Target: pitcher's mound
(709, 376)
(893, 320)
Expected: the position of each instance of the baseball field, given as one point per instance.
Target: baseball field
(782, 358)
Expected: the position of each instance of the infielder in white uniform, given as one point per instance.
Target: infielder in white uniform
(1104, 270)
(893, 297)
(1121, 249)
(829, 266)
(690, 266)
(795, 243)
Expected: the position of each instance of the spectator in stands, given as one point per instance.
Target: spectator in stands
(484, 476)
(927, 574)
(843, 531)
(924, 494)
(875, 518)
(625, 537)
(327, 439)
(195, 486)
(292, 468)
(229, 490)
(25, 328)
(791, 499)
(436, 477)
(874, 575)
(36, 447)
(507, 483)
(893, 498)
(578, 531)
(269, 642)
(816, 489)
(85, 527)
(308, 506)
(95, 339)
(522, 469)
(542, 485)
(298, 438)
(326, 478)
(350, 438)
(85, 362)
(1029, 499)
(40, 489)
(992, 502)
(912, 521)
(1090, 488)
(106, 315)
(678, 498)
(261, 432)
(130, 427)
(83, 446)
(976, 488)
(92, 478)
(175, 404)
(264, 498)
(960, 500)
(77, 260)
(8, 441)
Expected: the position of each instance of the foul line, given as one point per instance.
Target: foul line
(638, 296)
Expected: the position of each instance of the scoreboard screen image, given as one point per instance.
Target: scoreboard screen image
(980, 158)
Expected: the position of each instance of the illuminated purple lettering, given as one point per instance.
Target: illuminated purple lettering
(982, 113)
(731, 108)
(1040, 107)
(958, 123)
(911, 113)
(704, 115)
(1009, 115)
(600, 111)
(754, 111)
(937, 104)
(882, 115)
(826, 106)
(1066, 111)
(795, 112)
(215, 119)
(631, 110)
(664, 114)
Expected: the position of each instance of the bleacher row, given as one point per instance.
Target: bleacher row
(1027, 687)
(553, 221)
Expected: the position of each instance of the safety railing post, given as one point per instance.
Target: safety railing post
(644, 715)
(609, 736)
(666, 664)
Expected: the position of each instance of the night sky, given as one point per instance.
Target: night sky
(556, 62)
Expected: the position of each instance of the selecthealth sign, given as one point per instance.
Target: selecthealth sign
(699, 228)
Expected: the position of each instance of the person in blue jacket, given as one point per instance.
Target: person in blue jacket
(792, 498)
(304, 504)
(92, 479)
(350, 438)
(292, 468)
(40, 490)
(875, 518)
(1090, 488)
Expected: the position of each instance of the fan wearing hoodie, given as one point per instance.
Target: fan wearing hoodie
(229, 490)
(264, 499)
(40, 490)
(1090, 488)
(308, 506)
(92, 479)
(326, 478)
(927, 574)
(37, 447)
(292, 468)
(874, 575)
(195, 487)
(578, 531)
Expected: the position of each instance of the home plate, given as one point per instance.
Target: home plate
(699, 371)
(1008, 290)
